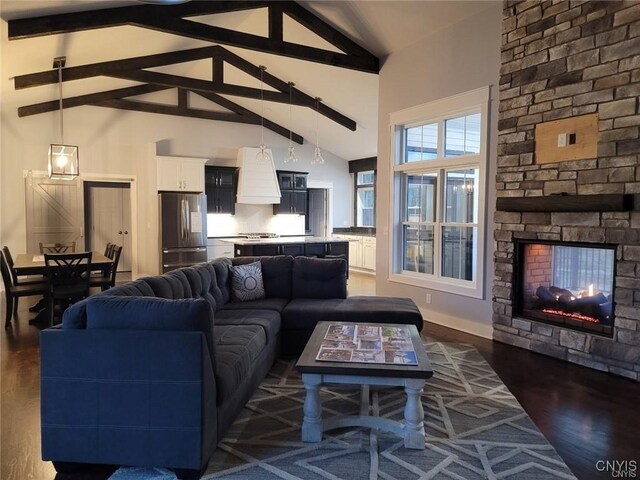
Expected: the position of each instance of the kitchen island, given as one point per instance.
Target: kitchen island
(296, 246)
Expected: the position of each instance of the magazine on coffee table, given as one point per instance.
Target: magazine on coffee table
(367, 344)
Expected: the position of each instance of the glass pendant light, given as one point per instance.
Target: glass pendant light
(317, 154)
(63, 159)
(291, 153)
(263, 153)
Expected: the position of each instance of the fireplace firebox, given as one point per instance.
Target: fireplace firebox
(566, 283)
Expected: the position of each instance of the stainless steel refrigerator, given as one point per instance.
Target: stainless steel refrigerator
(183, 230)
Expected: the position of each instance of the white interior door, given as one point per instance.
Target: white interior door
(110, 220)
(54, 211)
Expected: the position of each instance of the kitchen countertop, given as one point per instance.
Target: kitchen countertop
(280, 240)
(359, 231)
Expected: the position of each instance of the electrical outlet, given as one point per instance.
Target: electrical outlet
(562, 140)
(428, 298)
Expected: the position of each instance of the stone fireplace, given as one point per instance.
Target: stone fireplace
(563, 60)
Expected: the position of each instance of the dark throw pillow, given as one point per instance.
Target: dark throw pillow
(246, 282)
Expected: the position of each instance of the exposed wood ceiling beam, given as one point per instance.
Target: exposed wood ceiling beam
(108, 99)
(132, 69)
(239, 109)
(113, 17)
(89, 99)
(49, 77)
(170, 19)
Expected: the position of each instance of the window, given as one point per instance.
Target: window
(365, 199)
(438, 189)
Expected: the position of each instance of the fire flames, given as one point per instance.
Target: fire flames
(577, 316)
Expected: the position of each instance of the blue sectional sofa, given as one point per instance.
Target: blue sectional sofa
(153, 372)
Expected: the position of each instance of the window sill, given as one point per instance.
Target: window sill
(470, 290)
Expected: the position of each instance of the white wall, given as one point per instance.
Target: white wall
(462, 57)
(118, 142)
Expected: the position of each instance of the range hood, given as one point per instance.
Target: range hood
(257, 182)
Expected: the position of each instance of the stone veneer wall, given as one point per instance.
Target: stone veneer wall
(562, 59)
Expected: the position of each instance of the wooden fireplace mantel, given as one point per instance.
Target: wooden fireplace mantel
(606, 202)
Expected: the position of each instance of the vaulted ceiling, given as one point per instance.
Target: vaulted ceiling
(381, 27)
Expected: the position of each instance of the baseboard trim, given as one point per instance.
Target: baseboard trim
(456, 323)
(371, 273)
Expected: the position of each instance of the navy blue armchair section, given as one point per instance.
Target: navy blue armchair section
(127, 398)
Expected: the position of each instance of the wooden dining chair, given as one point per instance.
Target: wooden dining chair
(108, 251)
(69, 277)
(107, 278)
(30, 280)
(59, 247)
(13, 292)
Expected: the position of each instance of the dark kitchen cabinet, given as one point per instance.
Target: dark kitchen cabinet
(333, 249)
(220, 185)
(293, 191)
(270, 250)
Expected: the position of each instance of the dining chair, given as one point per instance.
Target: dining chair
(108, 251)
(59, 247)
(13, 292)
(69, 277)
(31, 279)
(107, 278)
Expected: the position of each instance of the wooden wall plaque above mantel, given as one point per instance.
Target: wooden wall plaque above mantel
(585, 129)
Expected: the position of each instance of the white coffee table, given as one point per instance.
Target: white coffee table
(411, 377)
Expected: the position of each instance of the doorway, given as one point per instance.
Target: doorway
(317, 219)
(107, 216)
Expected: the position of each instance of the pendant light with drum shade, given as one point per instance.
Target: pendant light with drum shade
(63, 159)
(263, 153)
(291, 153)
(317, 154)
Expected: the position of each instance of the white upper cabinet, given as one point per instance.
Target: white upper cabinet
(177, 174)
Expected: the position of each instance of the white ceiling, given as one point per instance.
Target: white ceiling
(382, 27)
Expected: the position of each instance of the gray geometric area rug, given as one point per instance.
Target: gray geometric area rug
(475, 429)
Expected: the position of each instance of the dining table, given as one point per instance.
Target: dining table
(33, 264)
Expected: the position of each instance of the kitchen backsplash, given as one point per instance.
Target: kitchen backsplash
(254, 218)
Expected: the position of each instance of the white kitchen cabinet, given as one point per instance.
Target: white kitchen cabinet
(176, 174)
(217, 248)
(355, 251)
(362, 251)
(369, 253)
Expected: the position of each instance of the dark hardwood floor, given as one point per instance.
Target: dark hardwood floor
(585, 414)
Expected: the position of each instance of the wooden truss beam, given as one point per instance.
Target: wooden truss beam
(133, 69)
(89, 99)
(116, 99)
(170, 19)
(49, 77)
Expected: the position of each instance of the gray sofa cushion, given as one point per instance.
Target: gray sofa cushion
(221, 267)
(303, 314)
(269, 320)
(207, 269)
(236, 349)
(319, 278)
(165, 286)
(275, 304)
(276, 273)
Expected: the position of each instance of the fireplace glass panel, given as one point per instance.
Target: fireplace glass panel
(567, 284)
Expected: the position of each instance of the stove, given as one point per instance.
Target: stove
(258, 235)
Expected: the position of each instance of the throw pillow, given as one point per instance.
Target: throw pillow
(246, 282)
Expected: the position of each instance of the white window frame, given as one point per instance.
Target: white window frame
(438, 111)
(357, 187)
